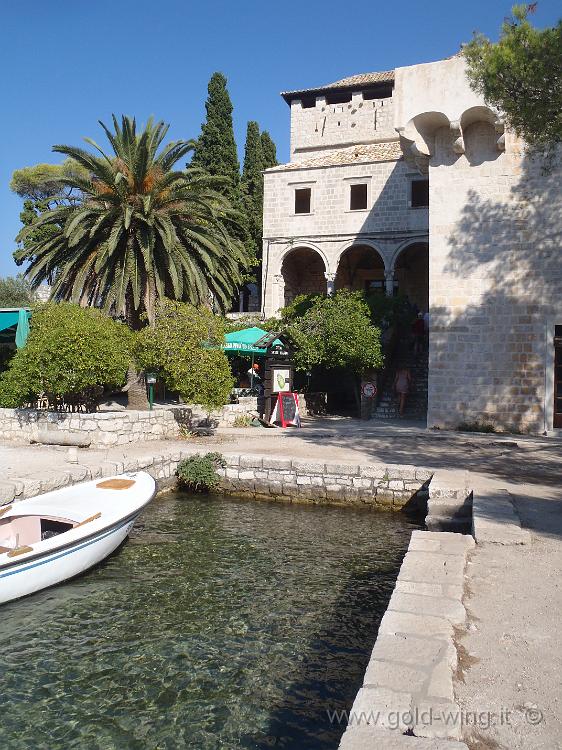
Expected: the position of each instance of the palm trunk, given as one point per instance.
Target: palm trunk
(136, 384)
(136, 390)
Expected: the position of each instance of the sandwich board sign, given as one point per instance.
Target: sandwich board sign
(286, 410)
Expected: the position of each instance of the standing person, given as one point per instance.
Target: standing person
(254, 376)
(418, 329)
(402, 382)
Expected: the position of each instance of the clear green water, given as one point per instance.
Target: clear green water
(220, 624)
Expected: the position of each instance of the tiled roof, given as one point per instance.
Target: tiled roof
(362, 79)
(354, 154)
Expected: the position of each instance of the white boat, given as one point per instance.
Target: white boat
(53, 537)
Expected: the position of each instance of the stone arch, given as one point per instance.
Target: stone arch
(361, 266)
(410, 265)
(303, 271)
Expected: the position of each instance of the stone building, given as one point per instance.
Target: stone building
(406, 181)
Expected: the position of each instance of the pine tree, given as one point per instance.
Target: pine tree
(269, 151)
(216, 148)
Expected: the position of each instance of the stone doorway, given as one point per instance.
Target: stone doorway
(303, 272)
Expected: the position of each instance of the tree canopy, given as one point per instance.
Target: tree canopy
(47, 182)
(183, 346)
(521, 76)
(215, 149)
(336, 332)
(259, 154)
(15, 291)
(71, 354)
(139, 231)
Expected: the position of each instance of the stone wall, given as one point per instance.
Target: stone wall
(329, 125)
(388, 224)
(495, 284)
(391, 486)
(103, 429)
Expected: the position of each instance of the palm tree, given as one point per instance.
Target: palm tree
(140, 230)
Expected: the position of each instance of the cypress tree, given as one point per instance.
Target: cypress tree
(252, 187)
(269, 151)
(216, 147)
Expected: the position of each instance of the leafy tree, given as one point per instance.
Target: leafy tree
(139, 231)
(336, 332)
(215, 150)
(269, 151)
(71, 353)
(520, 76)
(184, 347)
(47, 182)
(42, 186)
(15, 291)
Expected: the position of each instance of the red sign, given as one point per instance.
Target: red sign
(369, 390)
(286, 410)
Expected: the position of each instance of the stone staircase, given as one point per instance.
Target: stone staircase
(416, 403)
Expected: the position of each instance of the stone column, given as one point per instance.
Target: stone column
(279, 293)
(389, 282)
(330, 282)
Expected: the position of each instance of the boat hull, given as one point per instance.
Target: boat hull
(36, 565)
(60, 565)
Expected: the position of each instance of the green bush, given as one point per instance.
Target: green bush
(336, 332)
(199, 473)
(183, 346)
(71, 353)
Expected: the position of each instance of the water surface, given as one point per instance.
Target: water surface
(220, 624)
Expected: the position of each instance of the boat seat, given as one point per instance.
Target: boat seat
(115, 484)
(87, 520)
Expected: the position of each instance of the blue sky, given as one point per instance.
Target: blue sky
(67, 64)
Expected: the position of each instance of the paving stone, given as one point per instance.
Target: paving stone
(307, 467)
(420, 625)
(495, 521)
(437, 719)
(432, 567)
(381, 707)
(441, 681)
(439, 606)
(369, 738)
(394, 676)
(251, 462)
(407, 649)
(272, 462)
(347, 470)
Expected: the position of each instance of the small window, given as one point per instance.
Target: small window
(338, 97)
(380, 92)
(358, 197)
(420, 193)
(308, 102)
(302, 200)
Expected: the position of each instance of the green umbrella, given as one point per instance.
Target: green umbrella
(244, 342)
(22, 331)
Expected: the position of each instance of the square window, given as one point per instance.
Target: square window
(419, 194)
(302, 200)
(358, 197)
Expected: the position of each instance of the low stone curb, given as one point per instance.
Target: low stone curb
(296, 480)
(408, 684)
(271, 477)
(495, 521)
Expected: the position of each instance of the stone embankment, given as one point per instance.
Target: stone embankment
(407, 699)
(263, 477)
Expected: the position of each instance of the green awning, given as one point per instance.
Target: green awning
(244, 342)
(14, 326)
